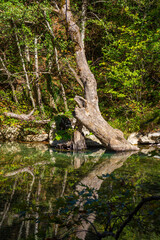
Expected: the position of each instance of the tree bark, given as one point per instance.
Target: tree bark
(57, 64)
(83, 23)
(78, 138)
(26, 117)
(38, 90)
(24, 66)
(87, 111)
(10, 81)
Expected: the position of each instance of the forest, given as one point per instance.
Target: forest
(44, 74)
(94, 64)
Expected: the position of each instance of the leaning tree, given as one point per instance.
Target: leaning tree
(87, 110)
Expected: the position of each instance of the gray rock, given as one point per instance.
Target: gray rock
(133, 138)
(156, 156)
(36, 138)
(145, 140)
(11, 133)
(155, 134)
(138, 138)
(148, 150)
(155, 137)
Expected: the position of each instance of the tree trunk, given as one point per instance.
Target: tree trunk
(38, 90)
(87, 111)
(24, 66)
(57, 63)
(83, 23)
(78, 139)
(10, 81)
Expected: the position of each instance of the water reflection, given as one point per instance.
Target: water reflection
(32, 176)
(111, 163)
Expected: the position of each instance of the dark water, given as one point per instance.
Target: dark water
(33, 176)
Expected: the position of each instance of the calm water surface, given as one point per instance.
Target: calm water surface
(33, 176)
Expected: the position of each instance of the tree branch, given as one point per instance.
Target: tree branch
(134, 212)
(76, 75)
(26, 117)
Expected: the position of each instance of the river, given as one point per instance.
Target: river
(33, 176)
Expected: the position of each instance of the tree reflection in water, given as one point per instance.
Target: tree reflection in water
(34, 176)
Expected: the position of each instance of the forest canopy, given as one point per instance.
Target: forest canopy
(121, 41)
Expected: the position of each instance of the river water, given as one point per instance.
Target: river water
(33, 176)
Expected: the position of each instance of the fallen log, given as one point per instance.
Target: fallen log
(26, 117)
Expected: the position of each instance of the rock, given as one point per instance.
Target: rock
(145, 140)
(138, 138)
(11, 133)
(36, 138)
(133, 138)
(155, 137)
(148, 150)
(156, 156)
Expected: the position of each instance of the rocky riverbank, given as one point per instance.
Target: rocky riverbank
(18, 133)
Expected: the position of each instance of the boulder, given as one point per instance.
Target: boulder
(139, 138)
(11, 133)
(133, 138)
(145, 140)
(36, 138)
(155, 136)
(148, 150)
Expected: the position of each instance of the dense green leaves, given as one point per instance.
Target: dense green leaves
(122, 49)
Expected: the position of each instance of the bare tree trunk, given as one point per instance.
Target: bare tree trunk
(87, 111)
(27, 55)
(24, 67)
(50, 90)
(78, 139)
(10, 81)
(38, 90)
(84, 10)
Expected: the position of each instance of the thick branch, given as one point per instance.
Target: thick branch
(134, 212)
(26, 117)
(39, 97)
(76, 76)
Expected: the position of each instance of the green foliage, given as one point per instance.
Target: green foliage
(122, 49)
